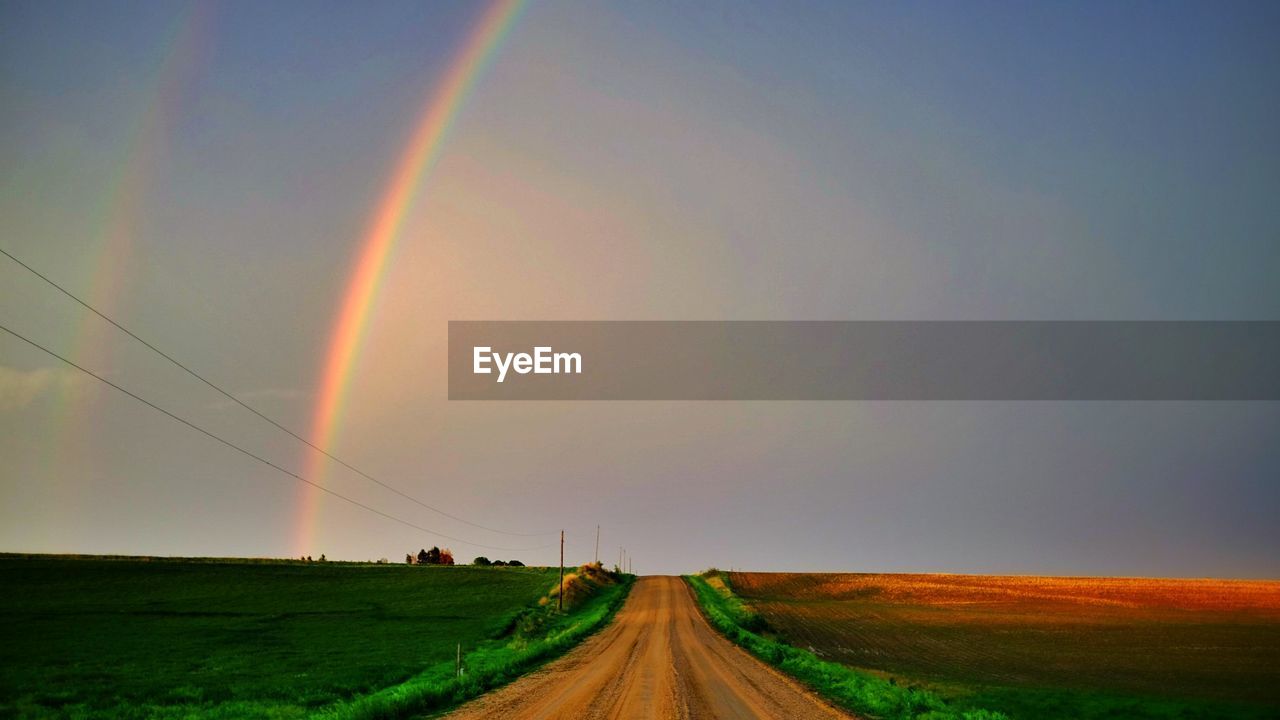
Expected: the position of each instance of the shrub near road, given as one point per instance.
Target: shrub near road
(1043, 648)
(132, 638)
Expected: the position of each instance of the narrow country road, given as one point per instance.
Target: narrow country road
(658, 660)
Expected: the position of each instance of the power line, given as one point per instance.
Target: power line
(259, 458)
(255, 411)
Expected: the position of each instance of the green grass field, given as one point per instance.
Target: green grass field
(1039, 648)
(133, 638)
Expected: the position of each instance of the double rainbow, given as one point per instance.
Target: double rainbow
(414, 165)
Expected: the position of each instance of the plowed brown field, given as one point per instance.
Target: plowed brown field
(1203, 639)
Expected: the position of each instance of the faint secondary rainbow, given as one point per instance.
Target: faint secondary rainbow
(119, 217)
(413, 165)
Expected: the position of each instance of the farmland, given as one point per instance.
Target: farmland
(161, 638)
(1036, 647)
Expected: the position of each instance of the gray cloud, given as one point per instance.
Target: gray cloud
(20, 388)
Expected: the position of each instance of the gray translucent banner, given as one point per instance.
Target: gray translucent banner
(713, 360)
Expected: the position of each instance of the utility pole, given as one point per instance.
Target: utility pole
(560, 598)
(597, 544)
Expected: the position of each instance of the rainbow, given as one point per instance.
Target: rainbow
(121, 208)
(413, 165)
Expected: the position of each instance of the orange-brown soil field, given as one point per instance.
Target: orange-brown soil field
(1211, 648)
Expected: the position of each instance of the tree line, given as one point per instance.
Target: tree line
(437, 556)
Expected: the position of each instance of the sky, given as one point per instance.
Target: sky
(206, 174)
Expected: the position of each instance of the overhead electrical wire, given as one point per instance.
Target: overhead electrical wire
(259, 458)
(260, 414)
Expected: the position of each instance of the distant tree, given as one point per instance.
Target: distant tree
(308, 558)
(499, 563)
(322, 557)
(446, 557)
(408, 558)
(425, 556)
(515, 563)
(482, 561)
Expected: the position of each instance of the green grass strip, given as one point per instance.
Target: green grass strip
(862, 693)
(539, 635)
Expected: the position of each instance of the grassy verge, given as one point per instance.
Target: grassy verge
(859, 692)
(535, 636)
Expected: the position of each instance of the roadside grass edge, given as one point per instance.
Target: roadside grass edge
(862, 693)
(492, 665)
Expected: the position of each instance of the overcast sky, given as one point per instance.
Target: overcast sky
(204, 174)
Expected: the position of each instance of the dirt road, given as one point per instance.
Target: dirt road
(658, 660)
